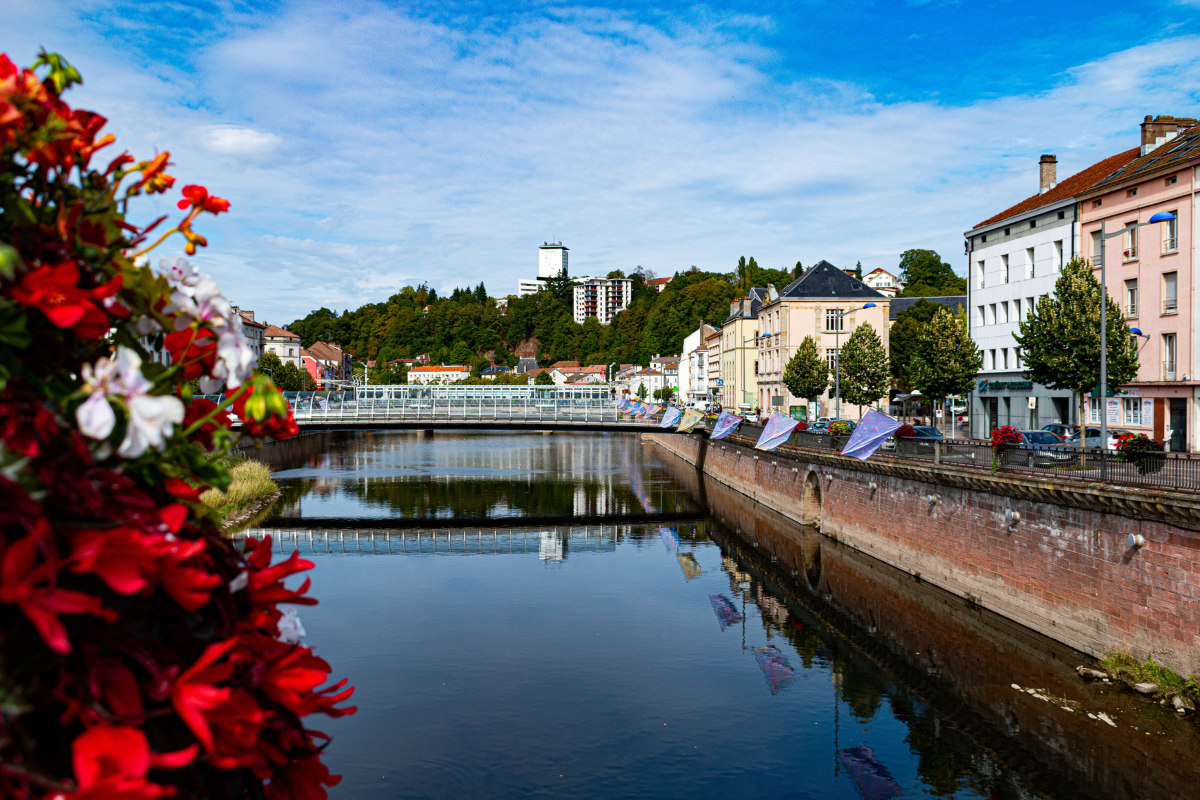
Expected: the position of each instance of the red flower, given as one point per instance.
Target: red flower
(265, 583)
(237, 725)
(302, 780)
(195, 350)
(198, 410)
(55, 291)
(198, 197)
(182, 489)
(183, 577)
(111, 762)
(292, 675)
(194, 693)
(272, 425)
(154, 179)
(124, 558)
(26, 425)
(31, 588)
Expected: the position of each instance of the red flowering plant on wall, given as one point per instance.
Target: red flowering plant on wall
(1004, 435)
(142, 654)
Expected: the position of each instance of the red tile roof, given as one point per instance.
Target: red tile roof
(1167, 156)
(276, 331)
(1069, 187)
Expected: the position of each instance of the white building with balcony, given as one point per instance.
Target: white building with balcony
(1014, 259)
(602, 298)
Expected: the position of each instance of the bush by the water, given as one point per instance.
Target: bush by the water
(250, 483)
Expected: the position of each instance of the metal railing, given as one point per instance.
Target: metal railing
(1169, 371)
(1171, 306)
(1170, 245)
(1131, 253)
(1131, 311)
(462, 404)
(1168, 471)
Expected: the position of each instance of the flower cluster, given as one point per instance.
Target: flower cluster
(1005, 434)
(905, 431)
(839, 428)
(142, 655)
(801, 425)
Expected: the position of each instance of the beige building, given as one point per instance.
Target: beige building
(739, 351)
(828, 305)
(712, 342)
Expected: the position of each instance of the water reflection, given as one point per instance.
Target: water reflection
(582, 660)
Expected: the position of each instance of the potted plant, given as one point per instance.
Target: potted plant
(1003, 437)
(1142, 451)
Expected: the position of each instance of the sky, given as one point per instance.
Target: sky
(367, 146)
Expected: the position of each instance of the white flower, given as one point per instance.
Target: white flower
(202, 302)
(179, 271)
(235, 360)
(95, 417)
(291, 631)
(151, 420)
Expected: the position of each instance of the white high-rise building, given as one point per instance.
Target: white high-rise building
(601, 298)
(552, 259)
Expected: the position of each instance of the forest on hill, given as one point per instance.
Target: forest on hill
(467, 326)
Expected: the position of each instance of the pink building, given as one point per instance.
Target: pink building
(1150, 274)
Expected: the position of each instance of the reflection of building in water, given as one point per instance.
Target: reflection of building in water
(550, 548)
(773, 612)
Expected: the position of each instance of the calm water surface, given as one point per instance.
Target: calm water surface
(730, 655)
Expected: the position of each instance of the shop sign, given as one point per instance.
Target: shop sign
(998, 386)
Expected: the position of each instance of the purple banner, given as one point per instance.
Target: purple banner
(671, 417)
(726, 424)
(778, 428)
(873, 431)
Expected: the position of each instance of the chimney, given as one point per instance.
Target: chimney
(1156, 131)
(1047, 173)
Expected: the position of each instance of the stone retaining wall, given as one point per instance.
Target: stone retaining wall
(1064, 569)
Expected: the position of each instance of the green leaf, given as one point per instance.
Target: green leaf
(9, 261)
(12, 328)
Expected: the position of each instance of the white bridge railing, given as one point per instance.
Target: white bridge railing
(582, 405)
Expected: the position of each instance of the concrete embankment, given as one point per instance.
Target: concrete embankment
(1051, 555)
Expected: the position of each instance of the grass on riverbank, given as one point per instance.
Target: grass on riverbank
(1133, 670)
(252, 484)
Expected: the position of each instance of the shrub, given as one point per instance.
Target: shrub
(839, 428)
(142, 654)
(905, 431)
(1139, 449)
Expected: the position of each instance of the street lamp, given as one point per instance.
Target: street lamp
(1162, 216)
(837, 356)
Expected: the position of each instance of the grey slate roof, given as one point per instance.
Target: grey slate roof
(526, 364)
(825, 280)
(901, 304)
(757, 296)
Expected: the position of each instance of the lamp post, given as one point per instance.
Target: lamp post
(1162, 216)
(837, 356)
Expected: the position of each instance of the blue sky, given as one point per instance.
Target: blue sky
(366, 145)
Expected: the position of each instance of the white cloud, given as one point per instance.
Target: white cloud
(366, 149)
(239, 141)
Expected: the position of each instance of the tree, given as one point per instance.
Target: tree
(657, 395)
(641, 392)
(461, 354)
(798, 271)
(807, 373)
(904, 339)
(926, 275)
(858, 270)
(864, 366)
(543, 379)
(1060, 339)
(269, 363)
(288, 377)
(616, 273)
(479, 367)
(946, 361)
(667, 393)
(310, 383)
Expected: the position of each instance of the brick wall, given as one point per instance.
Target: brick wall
(1064, 572)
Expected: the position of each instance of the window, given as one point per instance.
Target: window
(1097, 248)
(831, 358)
(1028, 307)
(979, 273)
(984, 238)
(1033, 223)
(1029, 269)
(1003, 312)
(834, 319)
(992, 358)
(1007, 231)
(1131, 298)
(1058, 255)
(992, 314)
(1004, 269)
(1131, 241)
(1017, 357)
(1171, 293)
(980, 319)
(1096, 203)
(1170, 230)
(1168, 356)
(1004, 357)
(1062, 215)
(1171, 180)
(1094, 409)
(1133, 410)
(1017, 310)
(1131, 193)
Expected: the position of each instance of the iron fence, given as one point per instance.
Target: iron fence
(1168, 471)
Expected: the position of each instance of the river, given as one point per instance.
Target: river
(582, 615)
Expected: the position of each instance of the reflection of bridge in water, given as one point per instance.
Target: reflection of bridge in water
(456, 407)
(552, 545)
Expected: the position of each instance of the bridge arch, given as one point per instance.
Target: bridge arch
(811, 500)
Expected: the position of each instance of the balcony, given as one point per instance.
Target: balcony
(1169, 371)
(1171, 306)
(1131, 253)
(1131, 311)
(1170, 246)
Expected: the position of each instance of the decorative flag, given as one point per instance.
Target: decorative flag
(873, 431)
(726, 424)
(670, 540)
(871, 777)
(671, 417)
(778, 672)
(727, 613)
(623, 405)
(689, 420)
(689, 565)
(776, 432)
(650, 411)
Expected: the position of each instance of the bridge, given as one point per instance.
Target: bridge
(417, 407)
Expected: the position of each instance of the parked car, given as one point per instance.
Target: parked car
(1093, 437)
(1061, 428)
(924, 435)
(1041, 449)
